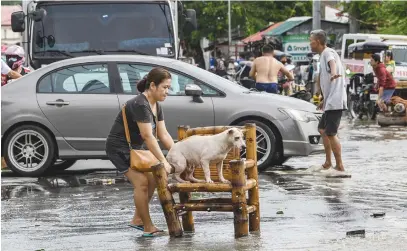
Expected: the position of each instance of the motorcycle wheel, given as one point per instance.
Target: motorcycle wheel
(354, 110)
(371, 110)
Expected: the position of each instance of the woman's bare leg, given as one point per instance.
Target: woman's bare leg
(143, 192)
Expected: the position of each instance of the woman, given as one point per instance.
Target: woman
(390, 63)
(144, 115)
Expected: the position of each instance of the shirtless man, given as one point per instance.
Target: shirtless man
(265, 70)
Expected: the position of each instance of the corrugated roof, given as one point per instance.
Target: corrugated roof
(259, 35)
(287, 25)
(6, 11)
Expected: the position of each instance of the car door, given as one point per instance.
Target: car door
(80, 101)
(178, 108)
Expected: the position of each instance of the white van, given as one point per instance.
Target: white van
(397, 44)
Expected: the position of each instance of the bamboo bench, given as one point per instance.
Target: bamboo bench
(246, 210)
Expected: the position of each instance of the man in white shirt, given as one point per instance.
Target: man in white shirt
(333, 88)
(7, 71)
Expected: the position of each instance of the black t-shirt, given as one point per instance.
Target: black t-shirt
(137, 110)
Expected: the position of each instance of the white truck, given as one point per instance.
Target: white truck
(54, 30)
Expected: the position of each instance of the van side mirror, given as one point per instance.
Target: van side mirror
(191, 23)
(18, 21)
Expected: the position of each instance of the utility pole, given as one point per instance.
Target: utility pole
(316, 14)
(230, 25)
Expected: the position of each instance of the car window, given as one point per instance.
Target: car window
(131, 74)
(77, 79)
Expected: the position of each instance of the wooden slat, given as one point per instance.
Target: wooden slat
(208, 207)
(212, 200)
(204, 207)
(207, 187)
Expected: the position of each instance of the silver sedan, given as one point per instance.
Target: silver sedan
(63, 112)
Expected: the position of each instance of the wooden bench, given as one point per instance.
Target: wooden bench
(241, 172)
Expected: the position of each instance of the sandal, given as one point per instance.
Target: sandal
(153, 234)
(138, 227)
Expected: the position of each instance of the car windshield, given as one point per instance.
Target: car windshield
(100, 28)
(400, 54)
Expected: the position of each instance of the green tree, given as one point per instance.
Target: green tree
(380, 16)
(248, 15)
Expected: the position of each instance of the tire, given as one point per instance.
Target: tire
(351, 108)
(371, 111)
(29, 150)
(60, 165)
(263, 160)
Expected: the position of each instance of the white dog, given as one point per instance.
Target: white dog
(197, 151)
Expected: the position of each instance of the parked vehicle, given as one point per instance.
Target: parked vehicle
(57, 30)
(357, 63)
(362, 91)
(65, 110)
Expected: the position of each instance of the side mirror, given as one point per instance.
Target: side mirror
(191, 23)
(17, 21)
(51, 41)
(195, 91)
(38, 15)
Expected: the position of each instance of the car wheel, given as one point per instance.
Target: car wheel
(29, 150)
(266, 144)
(60, 165)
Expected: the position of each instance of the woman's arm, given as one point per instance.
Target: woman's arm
(164, 136)
(146, 132)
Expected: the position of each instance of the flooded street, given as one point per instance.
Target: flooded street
(81, 211)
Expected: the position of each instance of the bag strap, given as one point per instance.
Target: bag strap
(126, 126)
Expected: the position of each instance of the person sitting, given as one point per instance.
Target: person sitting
(385, 80)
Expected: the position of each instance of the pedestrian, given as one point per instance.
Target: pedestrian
(385, 81)
(265, 71)
(145, 118)
(333, 90)
(15, 60)
(7, 72)
(390, 63)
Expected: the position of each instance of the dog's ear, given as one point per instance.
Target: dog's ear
(230, 132)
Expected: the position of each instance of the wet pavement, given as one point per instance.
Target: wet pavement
(82, 210)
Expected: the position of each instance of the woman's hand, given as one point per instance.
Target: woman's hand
(167, 167)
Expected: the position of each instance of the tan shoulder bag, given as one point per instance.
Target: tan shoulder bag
(140, 160)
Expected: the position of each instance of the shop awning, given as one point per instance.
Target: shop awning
(287, 25)
(259, 35)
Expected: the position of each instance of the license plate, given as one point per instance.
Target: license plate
(374, 97)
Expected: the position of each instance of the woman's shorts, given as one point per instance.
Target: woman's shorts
(120, 159)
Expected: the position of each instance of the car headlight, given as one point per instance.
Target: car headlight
(299, 115)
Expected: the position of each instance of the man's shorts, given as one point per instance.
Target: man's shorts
(267, 87)
(387, 94)
(330, 121)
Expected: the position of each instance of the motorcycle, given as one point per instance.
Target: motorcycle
(302, 94)
(363, 100)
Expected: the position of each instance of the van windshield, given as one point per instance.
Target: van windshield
(87, 28)
(400, 54)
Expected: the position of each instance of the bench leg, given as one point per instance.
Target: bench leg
(167, 201)
(252, 173)
(187, 218)
(239, 198)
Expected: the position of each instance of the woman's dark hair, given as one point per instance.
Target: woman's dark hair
(376, 57)
(156, 75)
(389, 54)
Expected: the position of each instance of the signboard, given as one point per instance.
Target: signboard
(298, 46)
